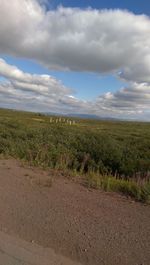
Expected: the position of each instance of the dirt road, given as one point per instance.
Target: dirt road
(14, 251)
(92, 227)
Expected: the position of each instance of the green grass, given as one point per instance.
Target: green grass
(132, 188)
(120, 150)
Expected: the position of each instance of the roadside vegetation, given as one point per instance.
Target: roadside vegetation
(110, 155)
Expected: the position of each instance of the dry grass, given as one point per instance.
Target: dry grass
(140, 191)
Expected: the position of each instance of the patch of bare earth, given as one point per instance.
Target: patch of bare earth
(92, 227)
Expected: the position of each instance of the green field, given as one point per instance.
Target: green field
(112, 155)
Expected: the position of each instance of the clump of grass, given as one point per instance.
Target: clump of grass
(138, 191)
(145, 192)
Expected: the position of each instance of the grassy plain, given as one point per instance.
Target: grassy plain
(111, 155)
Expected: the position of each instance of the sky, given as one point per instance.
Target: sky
(87, 56)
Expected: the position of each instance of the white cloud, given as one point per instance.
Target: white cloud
(83, 40)
(44, 84)
(34, 92)
(132, 100)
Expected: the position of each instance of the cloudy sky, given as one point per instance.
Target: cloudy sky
(76, 57)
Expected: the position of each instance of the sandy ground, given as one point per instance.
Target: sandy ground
(14, 251)
(89, 226)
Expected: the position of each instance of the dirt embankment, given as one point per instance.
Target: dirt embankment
(92, 227)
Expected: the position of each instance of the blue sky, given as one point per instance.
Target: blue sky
(138, 6)
(108, 83)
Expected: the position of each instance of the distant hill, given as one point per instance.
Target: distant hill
(82, 116)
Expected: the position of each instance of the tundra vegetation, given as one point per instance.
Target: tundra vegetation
(109, 155)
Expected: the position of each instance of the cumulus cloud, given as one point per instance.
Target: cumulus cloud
(21, 86)
(134, 99)
(34, 92)
(44, 84)
(83, 40)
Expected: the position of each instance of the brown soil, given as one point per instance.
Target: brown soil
(89, 226)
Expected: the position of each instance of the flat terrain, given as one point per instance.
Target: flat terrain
(88, 226)
(14, 251)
